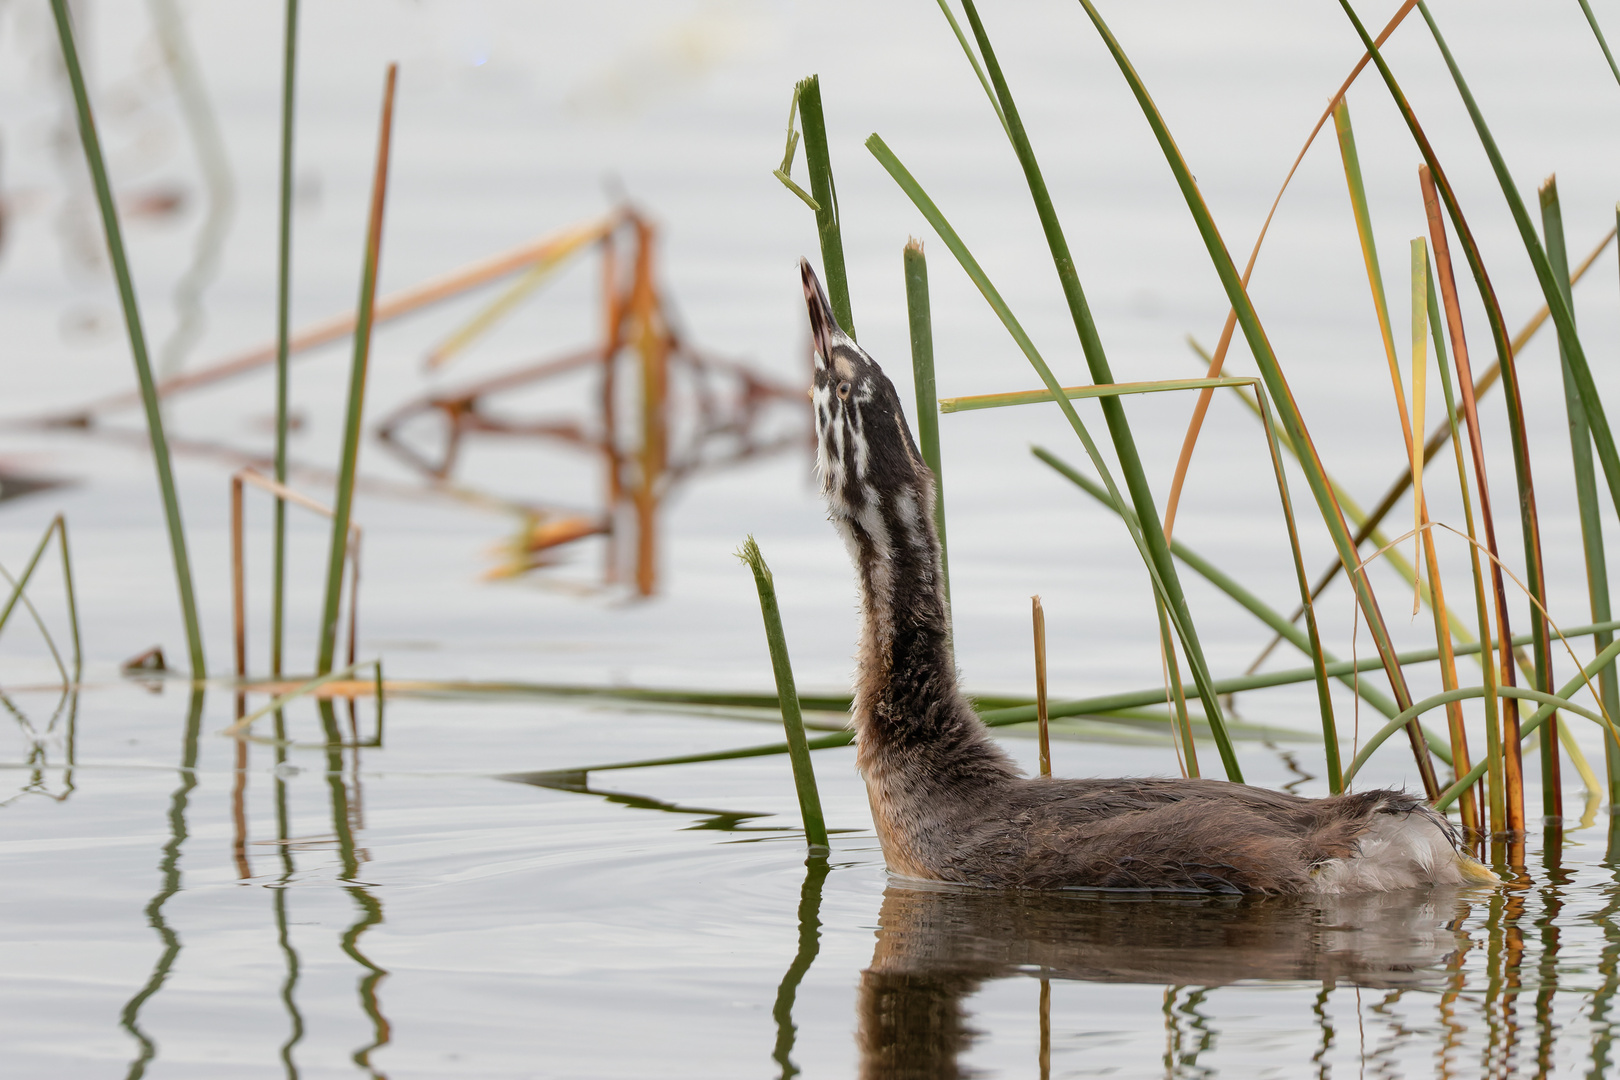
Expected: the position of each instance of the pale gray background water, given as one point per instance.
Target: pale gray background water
(533, 932)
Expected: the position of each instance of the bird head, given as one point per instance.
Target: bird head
(865, 456)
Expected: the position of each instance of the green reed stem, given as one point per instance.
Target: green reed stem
(976, 274)
(804, 774)
(1552, 703)
(18, 595)
(1119, 430)
(1276, 384)
(278, 584)
(1586, 490)
(1080, 393)
(819, 164)
(1177, 692)
(72, 597)
(922, 371)
(1324, 699)
(1249, 602)
(137, 337)
(967, 50)
(1598, 33)
(1352, 510)
(343, 504)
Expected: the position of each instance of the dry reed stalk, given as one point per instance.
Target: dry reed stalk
(651, 341)
(613, 309)
(1372, 519)
(1196, 424)
(388, 308)
(1044, 733)
(1421, 302)
(1512, 755)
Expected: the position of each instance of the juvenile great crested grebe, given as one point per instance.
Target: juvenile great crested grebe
(948, 803)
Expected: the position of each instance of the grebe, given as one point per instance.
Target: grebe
(948, 803)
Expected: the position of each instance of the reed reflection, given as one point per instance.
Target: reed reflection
(815, 876)
(169, 872)
(37, 756)
(936, 948)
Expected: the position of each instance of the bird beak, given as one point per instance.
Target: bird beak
(822, 324)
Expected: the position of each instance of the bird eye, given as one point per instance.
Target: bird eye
(843, 389)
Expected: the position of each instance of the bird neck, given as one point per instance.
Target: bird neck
(913, 722)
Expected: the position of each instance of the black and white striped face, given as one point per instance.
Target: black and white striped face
(864, 452)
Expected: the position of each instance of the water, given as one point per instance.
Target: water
(400, 909)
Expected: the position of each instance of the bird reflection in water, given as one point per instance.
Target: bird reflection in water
(936, 947)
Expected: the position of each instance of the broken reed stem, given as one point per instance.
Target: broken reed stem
(343, 504)
(922, 370)
(819, 164)
(137, 337)
(278, 576)
(1511, 753)
(804, 776)
(1039, 618)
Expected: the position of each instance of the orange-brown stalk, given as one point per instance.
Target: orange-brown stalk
(1512, 758)
(1202, 407)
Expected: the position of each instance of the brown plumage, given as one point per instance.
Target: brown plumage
(948, 803)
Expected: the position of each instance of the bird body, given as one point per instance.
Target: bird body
(948, 803)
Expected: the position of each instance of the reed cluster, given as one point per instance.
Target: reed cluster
(1486, 777)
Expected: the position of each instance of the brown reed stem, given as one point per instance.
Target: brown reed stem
(1039, 617)
(1512, 755)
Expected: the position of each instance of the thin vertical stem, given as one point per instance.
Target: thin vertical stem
(1493, 732)
(278, 581)
(1276, 384)
(238, 592)
(1586, 490)
(1511, 753)
(1045, 1060)
(72, 598)
(137, 338)
(1039, 617)
(804, 775)
(1175, 691)
(1421, 304)
(344, 502)
(1604, 45)
(1324, 699)
(922, 370)
(816, 159)
(1158, 547)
